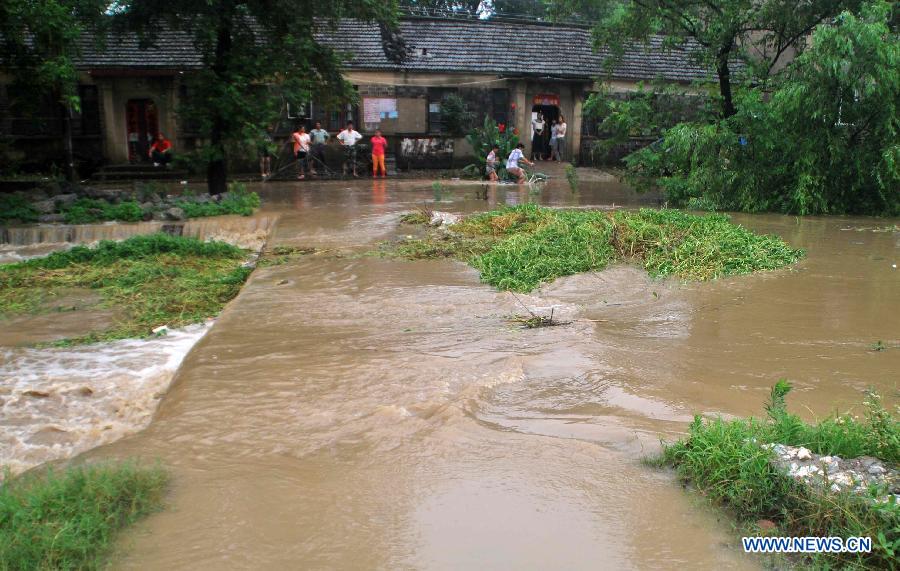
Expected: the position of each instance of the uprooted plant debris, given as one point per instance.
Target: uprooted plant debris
(518, 248)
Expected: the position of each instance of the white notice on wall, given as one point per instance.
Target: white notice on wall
(377, 108)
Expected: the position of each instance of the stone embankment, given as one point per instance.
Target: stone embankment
(856, 475)
(51, 201)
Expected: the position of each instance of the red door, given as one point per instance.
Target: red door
(142, 124)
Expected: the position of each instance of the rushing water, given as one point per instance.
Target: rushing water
(364, 413)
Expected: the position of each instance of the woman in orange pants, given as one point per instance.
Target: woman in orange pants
(378, 145)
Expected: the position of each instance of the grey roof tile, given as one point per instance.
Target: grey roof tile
(452, 46)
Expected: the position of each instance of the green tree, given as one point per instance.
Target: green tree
(824, 140)
(256, 54)
(39, 40)
(718, 33)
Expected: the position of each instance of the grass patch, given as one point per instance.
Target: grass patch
(237, 201)
(69, 519)
(149, 280)
(91, 210)
(725, 460)
(518, 248)
(16, 208)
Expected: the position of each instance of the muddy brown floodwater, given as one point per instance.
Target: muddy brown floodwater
(365, 413)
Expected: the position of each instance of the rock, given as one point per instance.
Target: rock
(86, 391)
(51, 218)
(161, 330)
(107, 194)
(35, 194)
(174, 213)
(443, 219)
(45, 206)
(803, 454)
(65, 199)
(876, 470)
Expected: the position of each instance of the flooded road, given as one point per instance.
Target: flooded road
(364, 413)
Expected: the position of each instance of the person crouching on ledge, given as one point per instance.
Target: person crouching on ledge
(161, 151)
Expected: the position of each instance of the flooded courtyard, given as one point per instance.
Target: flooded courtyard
(349, 411)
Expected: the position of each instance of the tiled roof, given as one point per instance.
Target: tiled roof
(434, 45)
(479, 46)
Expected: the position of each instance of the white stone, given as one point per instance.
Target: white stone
(876, 470)
(161, 330)
(803, 454)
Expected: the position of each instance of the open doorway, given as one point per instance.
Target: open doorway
(142, 124)
(541, 149)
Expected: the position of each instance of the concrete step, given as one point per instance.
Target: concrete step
(145, 174)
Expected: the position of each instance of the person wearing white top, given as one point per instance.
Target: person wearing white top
(537, 137)
(561, 138)
(512, 163)
(348, 138)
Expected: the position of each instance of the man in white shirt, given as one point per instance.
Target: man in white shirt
(512, 163)
(348, 138)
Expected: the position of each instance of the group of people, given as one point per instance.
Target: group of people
(512, 163)
(309, 150)
(555, 148)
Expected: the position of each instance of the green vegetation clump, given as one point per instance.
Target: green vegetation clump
(90, 210)
(69, 519)
(518, 248)
(16, 208)
(147, 280)
(726, 461)
(237, 201)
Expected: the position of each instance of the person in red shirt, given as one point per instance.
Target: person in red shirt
(378, 145)
(160, 151)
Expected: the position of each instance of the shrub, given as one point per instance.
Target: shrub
(484, 137)
(16, 208)
(725, 460)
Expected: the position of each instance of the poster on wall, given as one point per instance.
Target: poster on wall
(375, 109)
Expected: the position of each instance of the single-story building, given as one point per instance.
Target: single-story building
(505, 70)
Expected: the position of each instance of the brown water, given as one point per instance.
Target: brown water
(363, 413)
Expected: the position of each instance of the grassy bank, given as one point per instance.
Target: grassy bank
(520, 247)
(69, 519)
(149, 202)
(726, 461)
(147, 280)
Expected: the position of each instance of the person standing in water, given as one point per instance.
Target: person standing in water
(300, 139)
(490, 164)
(512, 163)
(319, 138)
(348, 138)
(378, 145)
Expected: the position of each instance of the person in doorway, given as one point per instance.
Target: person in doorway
(512, 163)
(379, 144)
(317, 154)
(554, 129)
(490, 164)
(348, 138)
(561, 139)
(264, 149)
(161, 151)
(537, 137)
(300, 138)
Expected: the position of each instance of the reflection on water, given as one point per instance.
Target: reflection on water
(360, 413)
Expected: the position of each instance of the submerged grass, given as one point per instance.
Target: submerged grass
(147, 280)
(724, 459)
(518, 248)
(69, 519)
